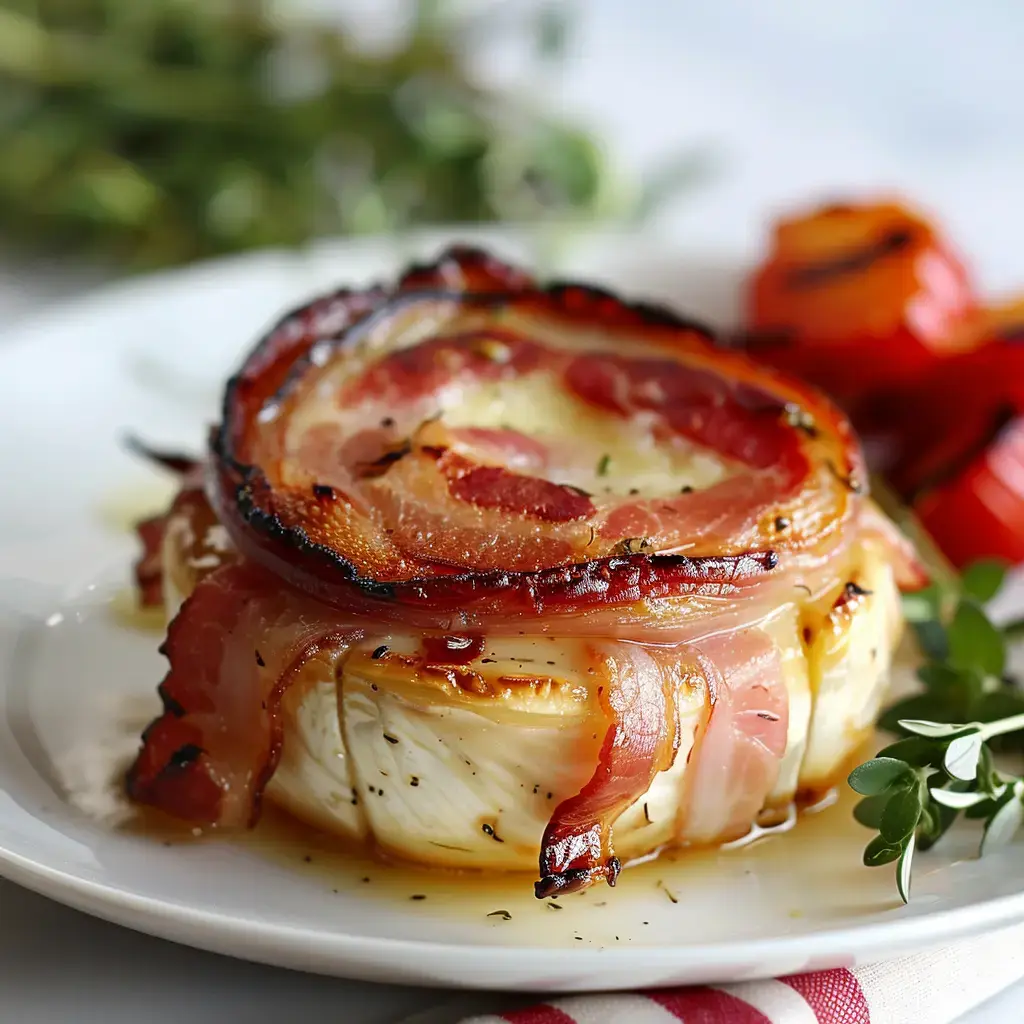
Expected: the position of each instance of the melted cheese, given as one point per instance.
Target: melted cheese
(849, 658)
(433, 776)
(598, 451)
(493, 758)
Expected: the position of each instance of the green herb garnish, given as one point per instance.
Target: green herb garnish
(944, 764)
(151, 132)
(603, 463)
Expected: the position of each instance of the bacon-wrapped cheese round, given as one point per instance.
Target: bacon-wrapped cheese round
(483, 571)
(857, 298)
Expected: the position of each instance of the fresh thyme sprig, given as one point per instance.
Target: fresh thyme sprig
(153, 133)
(944, 765)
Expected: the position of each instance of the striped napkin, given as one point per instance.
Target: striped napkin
(935, 987)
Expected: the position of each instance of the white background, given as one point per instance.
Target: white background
(796, 100)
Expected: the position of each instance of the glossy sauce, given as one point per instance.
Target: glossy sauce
(780, 844)
(122, 509)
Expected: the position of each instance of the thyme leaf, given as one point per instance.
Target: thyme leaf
(969, 709)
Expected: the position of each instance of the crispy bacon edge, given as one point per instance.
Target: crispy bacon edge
(241, 492)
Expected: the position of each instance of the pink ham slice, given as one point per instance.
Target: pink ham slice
(642, 740)
(736, 761)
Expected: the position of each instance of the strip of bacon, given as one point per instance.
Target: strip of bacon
(641, 741)
(236, 646)
(736, 763)
(149, 571)
(149, 567)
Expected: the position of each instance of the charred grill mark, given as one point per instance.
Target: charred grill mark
(323, 491)
(813, 275)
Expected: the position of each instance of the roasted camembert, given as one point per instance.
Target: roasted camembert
(499, 576)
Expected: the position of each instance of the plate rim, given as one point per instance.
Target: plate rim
(154, 916)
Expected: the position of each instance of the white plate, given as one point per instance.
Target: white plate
(75, 682)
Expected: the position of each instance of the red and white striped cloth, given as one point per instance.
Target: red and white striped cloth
(935, 987)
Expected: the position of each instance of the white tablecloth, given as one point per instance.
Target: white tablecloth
(795, 99)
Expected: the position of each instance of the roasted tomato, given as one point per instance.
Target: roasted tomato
(955, 448)
(858, 297)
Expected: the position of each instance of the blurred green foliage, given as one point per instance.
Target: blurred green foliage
(152, 132)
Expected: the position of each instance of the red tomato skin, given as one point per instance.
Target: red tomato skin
(980, 513)
(859, 297)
